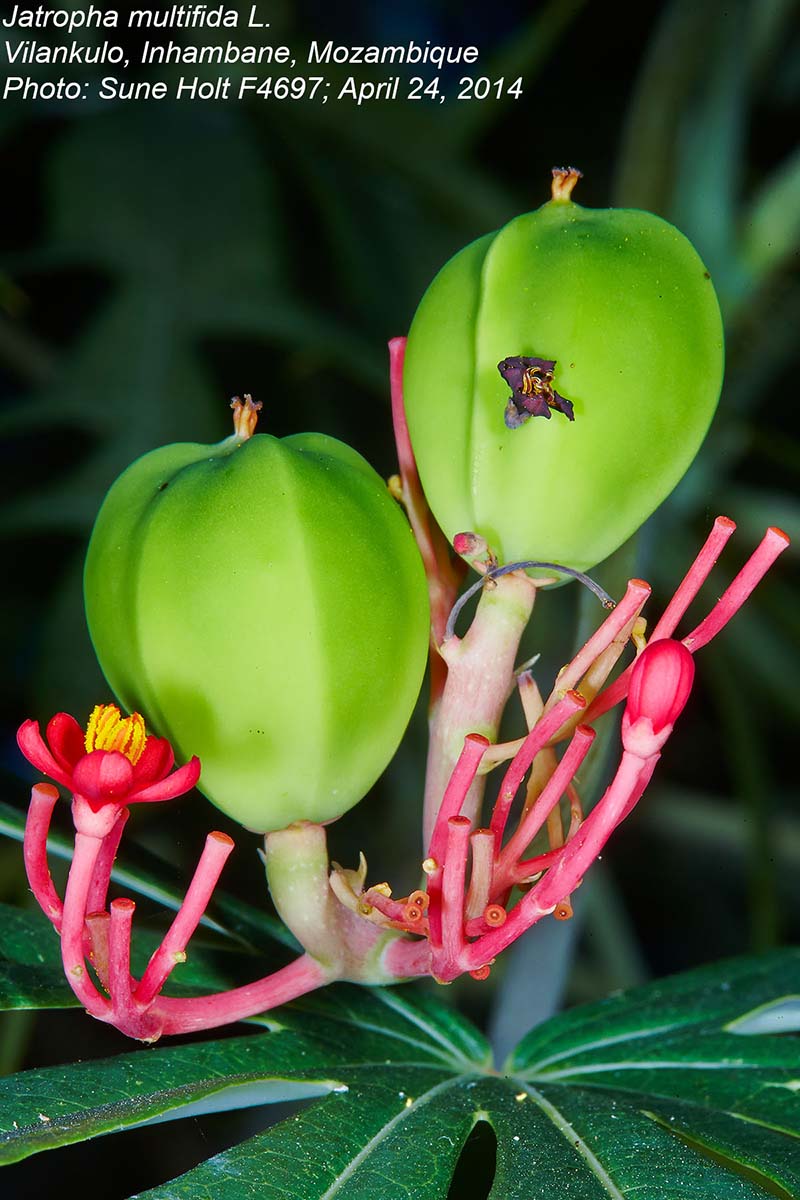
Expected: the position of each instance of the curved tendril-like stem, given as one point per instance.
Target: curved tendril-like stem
(44, 798)
(498, 572)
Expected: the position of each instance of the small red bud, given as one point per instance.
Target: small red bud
(661, 681)
(660, 684)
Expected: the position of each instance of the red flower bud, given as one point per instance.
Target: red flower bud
(661, 681)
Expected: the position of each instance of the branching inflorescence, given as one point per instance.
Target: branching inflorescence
(483, 882)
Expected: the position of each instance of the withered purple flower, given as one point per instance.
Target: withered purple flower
(532, 392)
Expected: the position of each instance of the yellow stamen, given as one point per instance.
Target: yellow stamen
(109, 730)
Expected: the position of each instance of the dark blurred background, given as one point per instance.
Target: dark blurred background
(158, 258)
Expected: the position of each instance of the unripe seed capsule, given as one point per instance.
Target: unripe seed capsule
(263, 603)
(605, 316)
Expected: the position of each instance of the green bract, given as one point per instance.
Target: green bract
(263, 604)
(621, 301)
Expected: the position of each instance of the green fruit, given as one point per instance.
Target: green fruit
(621, 301)
(263, 604)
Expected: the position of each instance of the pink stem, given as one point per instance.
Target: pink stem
(98, 889)
(205, 1012)
(453, 880)
(694, 578)
(465, 770)
(482, 842)
(580, 853)
(526, 867)
(442, 571)
(172, 949)
(638, 791)
(480, 679)
(627, 610)
(688, 588)
(407, 958)
(391, 909)
(537, 814)
(772, 544)
(458, 785)
(544, 729)
(562, 879)
(97, 925)
(87, 849)
(37, 826)
(125, 1014)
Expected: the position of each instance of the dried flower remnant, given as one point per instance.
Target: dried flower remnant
(532, 392)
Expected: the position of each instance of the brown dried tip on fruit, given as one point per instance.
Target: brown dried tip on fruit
(564, 180)
(245, 416)
(481, 973)
(563, 911)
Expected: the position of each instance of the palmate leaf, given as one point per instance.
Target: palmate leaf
(687, 1087)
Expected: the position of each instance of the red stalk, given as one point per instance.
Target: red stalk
(506, 871)
(443, 572)
(563, 878)
(98, 889)
(84, 858)
(545, 728)
(458, 785)
(37, 826)
(452, 904)
(771, 545)
(172, 949)
(206, 1012)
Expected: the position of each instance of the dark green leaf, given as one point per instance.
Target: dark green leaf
(677, 1089)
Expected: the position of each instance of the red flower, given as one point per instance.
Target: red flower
(113, 762)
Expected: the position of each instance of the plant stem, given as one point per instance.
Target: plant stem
(87, 849)
(173, 948)
(205, 1012)
(480, 679)
(44, 798)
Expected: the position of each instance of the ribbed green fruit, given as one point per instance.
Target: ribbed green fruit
(263, 604)
(622, 302)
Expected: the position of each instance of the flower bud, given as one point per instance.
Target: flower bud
(604, 327)
(262, 602)
(661, 682)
